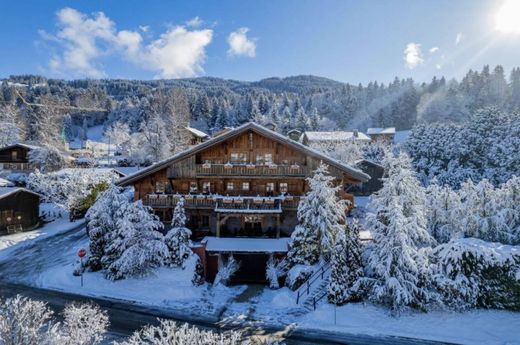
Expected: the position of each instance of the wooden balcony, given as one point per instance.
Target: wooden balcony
(219, 203)
(202, 170)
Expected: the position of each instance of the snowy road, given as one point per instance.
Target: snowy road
(17, 276)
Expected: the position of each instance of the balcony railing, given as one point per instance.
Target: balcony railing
(220, 203)
(250, 170)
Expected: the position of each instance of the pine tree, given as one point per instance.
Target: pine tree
(346, 265)
(320, 215)
(444, 213)
(398, 225)
(178, 238)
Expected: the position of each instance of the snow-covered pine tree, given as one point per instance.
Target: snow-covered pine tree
(444, 213)
(178, 238)
(346, 265)
(510, 196)
(135, 245)
(198, 275)
(483, 215)
(102, 219)
(396, 263)
(320, 215)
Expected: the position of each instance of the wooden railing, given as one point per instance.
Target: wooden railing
(250, 170)
(223, 202)
(16, 166)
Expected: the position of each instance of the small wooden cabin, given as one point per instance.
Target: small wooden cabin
(376, 173)
(382, 134)
(16, 157)
(19, 210)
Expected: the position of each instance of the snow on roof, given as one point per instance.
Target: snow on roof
(196, 132)
(335, 136)
(253, 245)
(6, 183)
(379, 130)
(27, 146)
(91, 170)
(6, 191)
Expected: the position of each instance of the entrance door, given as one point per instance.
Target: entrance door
(253, 225)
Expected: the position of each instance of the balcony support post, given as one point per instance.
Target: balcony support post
(218, 224)
(277, 225)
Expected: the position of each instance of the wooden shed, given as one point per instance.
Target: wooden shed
(375, 171)
(19, 210)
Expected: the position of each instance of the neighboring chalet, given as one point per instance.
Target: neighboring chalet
(375, 171)
(19, 210)
(241, 191)
(317, 138)
(382, 134)
(196, 136)
(15, 158)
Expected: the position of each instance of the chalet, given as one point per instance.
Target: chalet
(375, 171)
(382, 134)
(19, 209)
(241, 192)
(196, 136)
(15, 158)
(317, 138)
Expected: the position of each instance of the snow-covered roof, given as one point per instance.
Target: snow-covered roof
(379, 130)
(354, 172)
(335, 136)
(196, 132)
(27, 146)
(6, 183)
(6, 191)
(91, 170)
(250, 245)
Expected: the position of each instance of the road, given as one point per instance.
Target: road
(25, 263)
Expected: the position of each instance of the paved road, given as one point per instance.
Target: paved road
(24, 264)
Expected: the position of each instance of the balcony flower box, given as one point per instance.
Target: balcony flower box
(206, 166)
(273, 166)
(227, 201)
(295, 167)
(188, 197)
(239, 201)
(152, 196)
(228, 166)
(289, 198)
(269, 201)
(250, 166)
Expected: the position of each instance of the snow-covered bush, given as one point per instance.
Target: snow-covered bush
(444, 213)
(67, 187)
(346, 267)
(298, 274)
(470, 272)
(397, 265)
(198, 273)
(27, 322)
(273, 272)
(226, 270)
(47, 158)
(178, 237)
(320, 215)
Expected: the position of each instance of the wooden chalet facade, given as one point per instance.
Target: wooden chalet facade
(15, 158)
(245, 183)
(19, 210)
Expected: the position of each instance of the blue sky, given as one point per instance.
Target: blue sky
(351, 41)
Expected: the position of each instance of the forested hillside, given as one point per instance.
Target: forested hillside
(303, 102)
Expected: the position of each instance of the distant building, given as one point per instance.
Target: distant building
(196, 136)
(15, 158)
(375, 171)
(294, 134)
(382, 134)
(19, 210)
(312, 138)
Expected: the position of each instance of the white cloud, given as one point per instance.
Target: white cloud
(413, 55)
(144, 28)
(177, 53)
(240, 44)
(458, 38)
(194, 22)
(434, 50)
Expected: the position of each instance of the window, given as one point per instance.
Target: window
(160, 187)
(269, 187)
(238, 157)
(230, 186)
(264, 158)
(193, 187)
(14, 155)
(283, 187)
(245, 186)
(206, 187)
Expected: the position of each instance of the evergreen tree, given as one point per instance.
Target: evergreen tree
(444, 213)
(178, 238)
(397, 262)
(346, 265)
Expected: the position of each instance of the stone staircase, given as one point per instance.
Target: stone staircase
(314, 290)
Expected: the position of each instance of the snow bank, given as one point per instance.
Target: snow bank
(473, 327)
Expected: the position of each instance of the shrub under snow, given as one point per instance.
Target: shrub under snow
(226, 271)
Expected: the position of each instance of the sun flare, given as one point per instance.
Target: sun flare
(507, 19)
